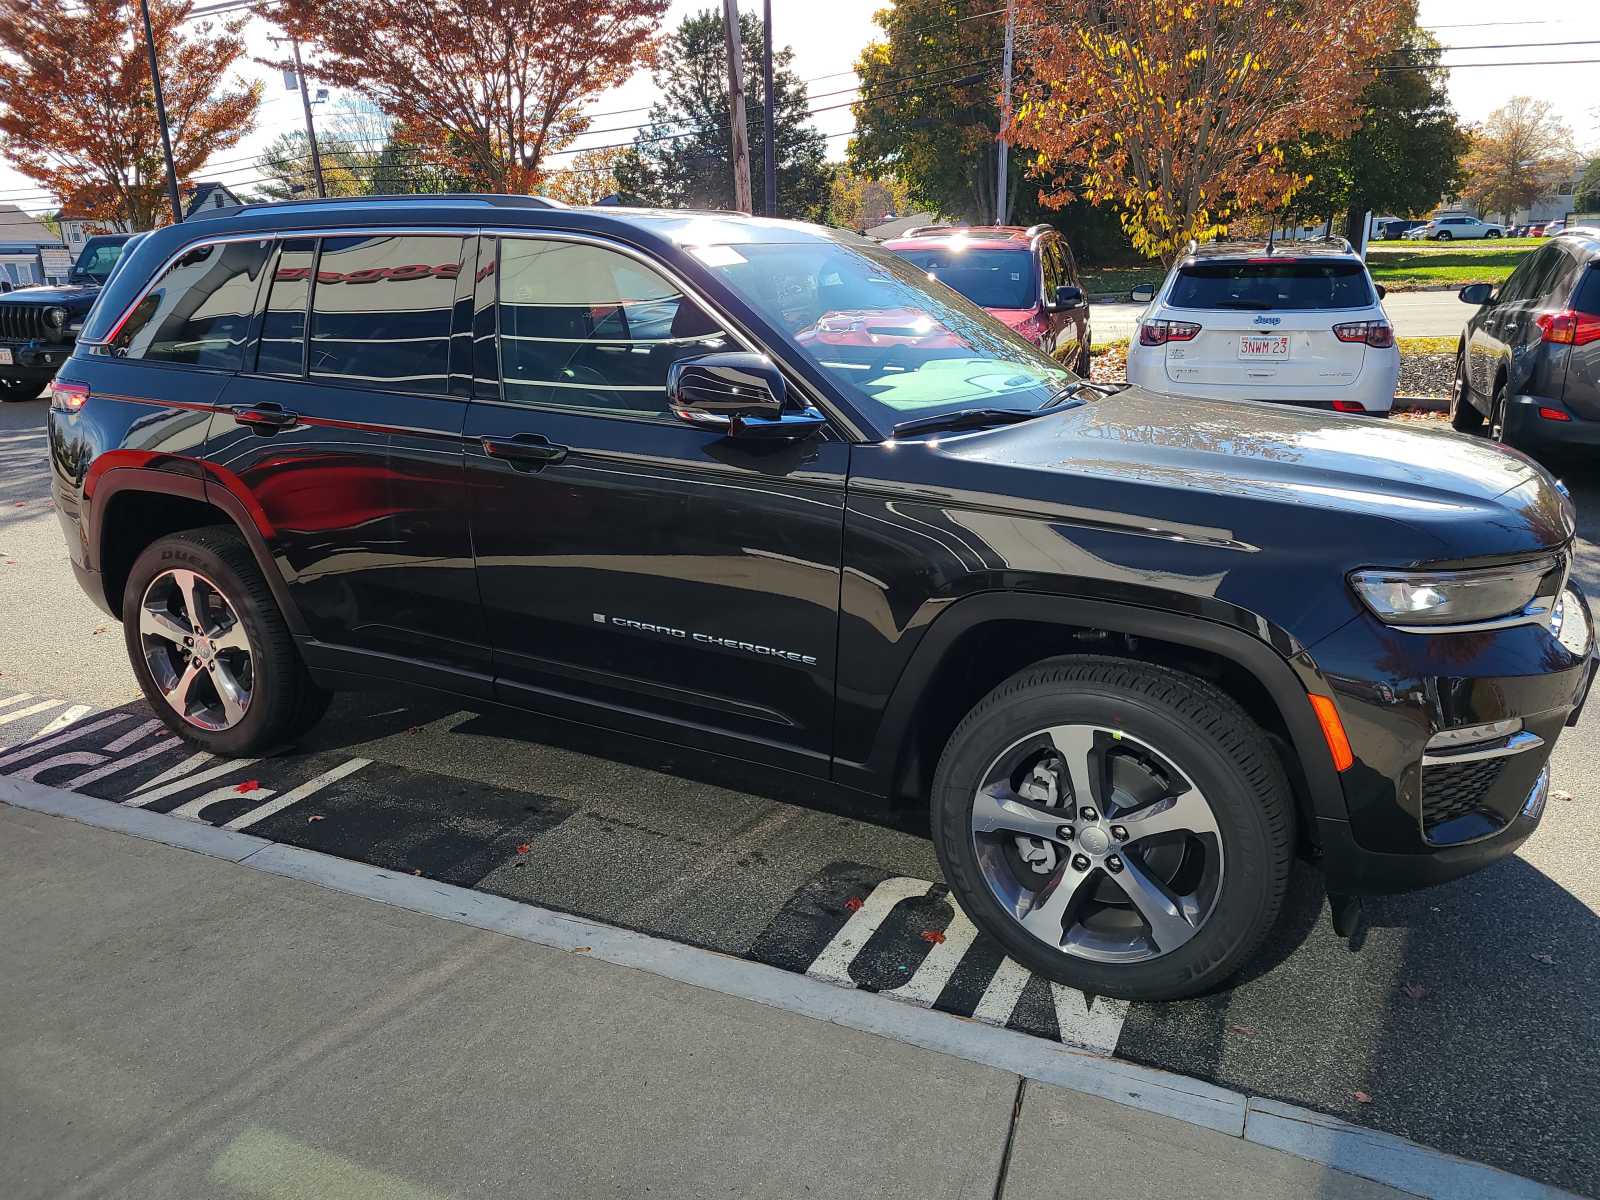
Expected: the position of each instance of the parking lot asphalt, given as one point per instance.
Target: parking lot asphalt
(1465, 1021)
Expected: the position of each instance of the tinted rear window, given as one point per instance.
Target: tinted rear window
(989, 278)
(1587, 299)
(1291, 283)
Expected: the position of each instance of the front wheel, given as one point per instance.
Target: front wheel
(1464, 415)
(1444, 235)
(1493, 233)
(210, 648)
(1117, 826)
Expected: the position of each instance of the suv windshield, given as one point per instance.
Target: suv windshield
(990, 278)
(1288, 283)
(887, 336)
(95, 261)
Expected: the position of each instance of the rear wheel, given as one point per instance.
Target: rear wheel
(210, 648)
(21, 389)
(1493, 233)
(1464, 415)
(1085, 363)
(1116, 826)
(1497, 415)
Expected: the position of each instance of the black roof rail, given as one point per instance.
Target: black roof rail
(439, 199)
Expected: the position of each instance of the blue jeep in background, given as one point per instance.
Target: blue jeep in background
(38, 325)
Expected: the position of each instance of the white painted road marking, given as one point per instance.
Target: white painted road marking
(140, 798)
(122, 764)
(295, 795)
(71, 717)
(1093, 1023)
(34, 747)
(17, 699)
(191, 810)
(32, 709)
(177, 769)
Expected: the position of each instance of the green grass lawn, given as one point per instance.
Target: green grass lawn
(1120, 279)
(1408, 266)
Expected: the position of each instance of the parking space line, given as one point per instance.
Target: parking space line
(122, 764)
(141, 797)
(35, 746)
(17, 699)
(31, 710)
(71, 717)
(189, 764)
(295, 795)
(136, 734)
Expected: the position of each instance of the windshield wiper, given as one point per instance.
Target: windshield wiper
(965, 418)
(1069, 391)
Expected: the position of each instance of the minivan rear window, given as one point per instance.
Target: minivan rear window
(1262, 285)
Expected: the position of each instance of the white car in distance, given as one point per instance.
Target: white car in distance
(1452, 226)
(1297, 323)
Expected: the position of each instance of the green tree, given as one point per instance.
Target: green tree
(1588, 197)
(1519, 155)
(861, 201)
(928, 113)
(285, 169)
(1406, 153)
(683, 159)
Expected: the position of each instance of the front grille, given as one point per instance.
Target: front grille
(23, 322)
(1454, 790)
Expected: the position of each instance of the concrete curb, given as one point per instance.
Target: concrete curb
(1421, 404)
(1381, 1157)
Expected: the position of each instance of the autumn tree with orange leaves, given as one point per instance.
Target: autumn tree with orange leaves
(489, 88)
(76, 109)
(1176, 111)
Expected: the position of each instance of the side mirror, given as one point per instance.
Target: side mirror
(1069, 299)
(1382, 291)
(1143, 294)
(1477, 293)
(736, 393)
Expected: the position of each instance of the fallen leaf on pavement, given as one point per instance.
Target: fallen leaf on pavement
(102, 629)
(524, 848)
(1545, 959)
(933, 935)
(314, 817)
(1562, 796)
(249, 785)
(1362, 1098)
(418, 871)
(1244, 1030)
(853, 904)
(581, 949)
(1416, 991)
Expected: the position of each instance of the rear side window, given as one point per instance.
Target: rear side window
(1587, 298)
(381, 311)
(1289, 283)
(198, 313)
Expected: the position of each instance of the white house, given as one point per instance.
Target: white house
(22, 238)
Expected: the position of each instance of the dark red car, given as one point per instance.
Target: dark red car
(1026, 277)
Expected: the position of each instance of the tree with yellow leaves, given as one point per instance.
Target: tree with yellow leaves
(1175, 111)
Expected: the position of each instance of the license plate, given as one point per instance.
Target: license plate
(1271, 345)
(5, 357)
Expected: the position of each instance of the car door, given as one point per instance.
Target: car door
(1490, 331)
(637, 571)
(343, 434)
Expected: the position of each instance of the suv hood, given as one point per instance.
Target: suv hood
(1174, 460)
(65, 295)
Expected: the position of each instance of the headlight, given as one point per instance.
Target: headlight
(56, 319)
(1448, 599)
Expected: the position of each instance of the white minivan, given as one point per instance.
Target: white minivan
(1299, 323)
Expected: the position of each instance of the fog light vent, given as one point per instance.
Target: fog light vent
(1470, 735)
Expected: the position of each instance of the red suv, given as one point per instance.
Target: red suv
(1025, 277)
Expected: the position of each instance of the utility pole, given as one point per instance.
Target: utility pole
(769, 148)
(161, 114)
(741, 138)
(1002, 169)
(311, 130)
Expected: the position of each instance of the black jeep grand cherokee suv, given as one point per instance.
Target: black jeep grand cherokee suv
(762, 489)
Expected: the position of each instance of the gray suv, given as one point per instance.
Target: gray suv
(1528, 365)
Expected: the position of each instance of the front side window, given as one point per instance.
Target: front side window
(282, 349)
(989, 278)
(585, 327)
(890, 338)
(1298, 284)
(381, 311)
(198, 312)
(95, 260)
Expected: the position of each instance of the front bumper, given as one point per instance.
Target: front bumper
(1414, 818)
(34, 362)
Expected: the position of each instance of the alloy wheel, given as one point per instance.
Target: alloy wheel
(197, 650)
(1097, 844)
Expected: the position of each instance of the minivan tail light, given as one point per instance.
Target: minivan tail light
(1159, 333)
(68, 397)
(1568, 328)
(1378, 334)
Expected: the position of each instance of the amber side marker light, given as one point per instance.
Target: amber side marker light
(1333, 732)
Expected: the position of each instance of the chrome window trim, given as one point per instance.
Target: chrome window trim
(1516, 743)
(836, 418)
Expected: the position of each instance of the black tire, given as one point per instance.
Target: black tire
(1085, 363)
(284, 703)
(1464, 414)
(1496, 430)
(1493, 233)
(13, 391)
(1444, 235)
(1203, 732)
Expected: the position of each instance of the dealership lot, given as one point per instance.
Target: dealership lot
(1460, 1021)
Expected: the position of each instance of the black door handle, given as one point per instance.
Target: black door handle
(265, 418)
(526, 451)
